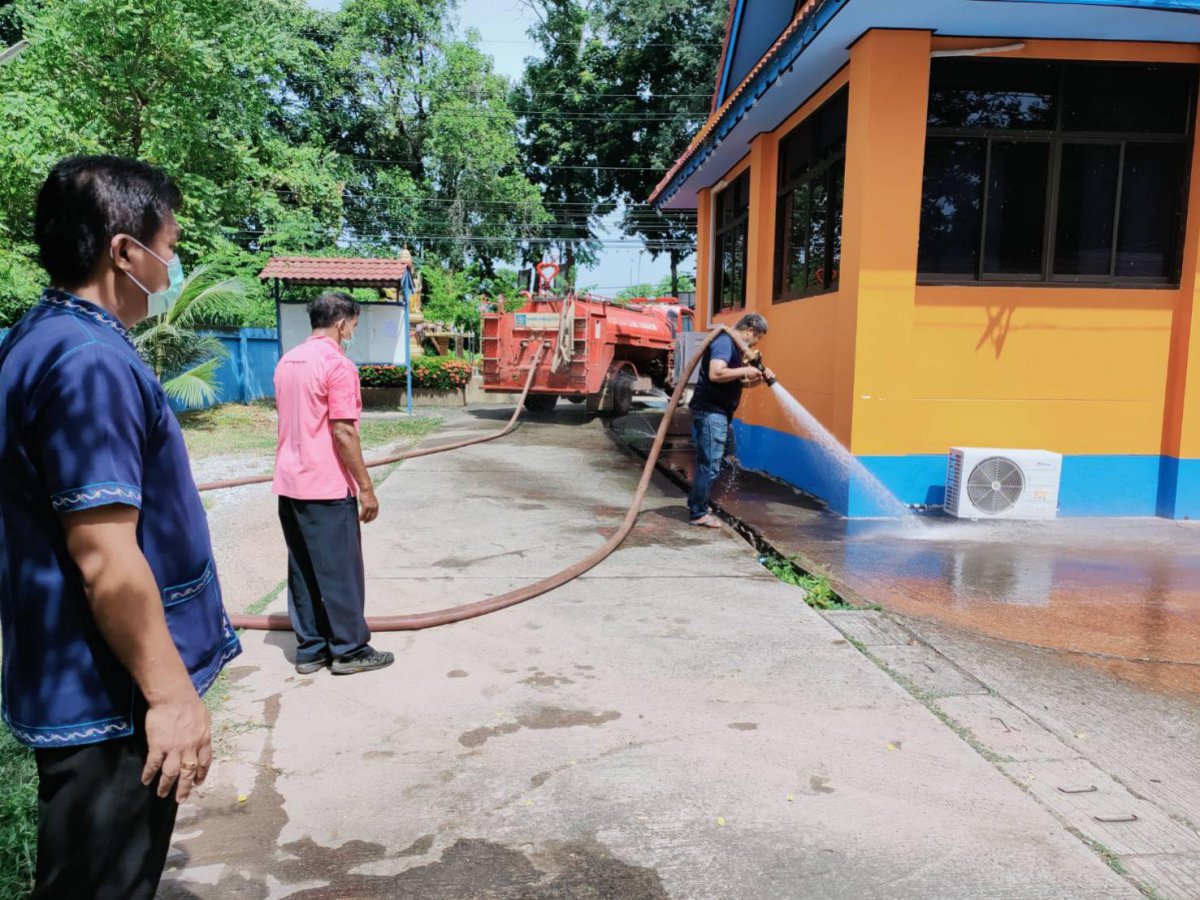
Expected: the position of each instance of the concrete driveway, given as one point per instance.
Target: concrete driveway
(677, 723)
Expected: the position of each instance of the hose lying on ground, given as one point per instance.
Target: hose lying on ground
(418, 621)
(407, 454)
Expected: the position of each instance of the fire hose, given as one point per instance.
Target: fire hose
(407, 454)
(419, 621)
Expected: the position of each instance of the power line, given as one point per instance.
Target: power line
(536, 43)
(393, 238)
(476, 95)
(545, 166)
(639, 208)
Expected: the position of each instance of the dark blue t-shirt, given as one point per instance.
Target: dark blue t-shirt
(84, 423)
(724, 397)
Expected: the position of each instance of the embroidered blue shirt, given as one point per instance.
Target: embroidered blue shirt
(84, 423)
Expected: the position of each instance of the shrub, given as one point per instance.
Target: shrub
(437, 373)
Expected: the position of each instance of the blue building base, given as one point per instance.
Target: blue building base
(1091, 485)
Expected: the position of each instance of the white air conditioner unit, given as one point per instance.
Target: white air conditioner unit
(984, 483)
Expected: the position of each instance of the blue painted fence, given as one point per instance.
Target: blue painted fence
(248, 373)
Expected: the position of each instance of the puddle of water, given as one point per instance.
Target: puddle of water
(1121, 590)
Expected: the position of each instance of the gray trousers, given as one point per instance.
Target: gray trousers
(326, 582)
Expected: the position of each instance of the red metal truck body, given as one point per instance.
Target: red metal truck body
(615, 350)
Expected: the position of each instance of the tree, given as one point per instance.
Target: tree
(665, 287)
(659, 62)
(558, 101)
(10, 25)
(423, 130)
(186, 84)
(485, 204)
(185, 360)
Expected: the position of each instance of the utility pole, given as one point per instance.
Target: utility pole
(11, 53)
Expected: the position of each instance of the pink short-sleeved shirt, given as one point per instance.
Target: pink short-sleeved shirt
(315, 384)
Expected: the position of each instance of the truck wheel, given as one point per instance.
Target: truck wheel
(541, 403)
(622, 394)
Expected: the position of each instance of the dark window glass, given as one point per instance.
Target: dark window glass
(795, 155)
(1087, 206)
(1127, 98)
(808, 225)
(1151, 211)
(729, 255)
(818, 206)
(798, 260)
(951, 206)
(970, 93)
(836, 199)
(1056, 170)
(1016, 208)
(830, 125)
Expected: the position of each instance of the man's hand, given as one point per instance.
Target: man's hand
(368, 505)
(180, 744)
(750, 376)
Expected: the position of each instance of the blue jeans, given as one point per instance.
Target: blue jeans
(712, 433)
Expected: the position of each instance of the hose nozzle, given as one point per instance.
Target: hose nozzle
(754, 358)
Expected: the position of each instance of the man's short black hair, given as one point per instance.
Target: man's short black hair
(87, 201)
(331, 307)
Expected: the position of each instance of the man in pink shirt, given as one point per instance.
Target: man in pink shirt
(324, 493)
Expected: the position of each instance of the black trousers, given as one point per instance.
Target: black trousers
(327, 591)
(102, 835)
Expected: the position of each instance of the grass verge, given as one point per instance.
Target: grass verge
(818, 592)
(235, 428)
(18, 818)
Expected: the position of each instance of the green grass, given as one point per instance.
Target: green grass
(818, 592)
(18, 818)
(235, 428)
(229, 429)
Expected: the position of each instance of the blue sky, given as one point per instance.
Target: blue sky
(503, 27)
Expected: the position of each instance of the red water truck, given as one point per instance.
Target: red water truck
(596, 352)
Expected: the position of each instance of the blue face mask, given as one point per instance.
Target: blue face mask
(158, 303)
(348, 342)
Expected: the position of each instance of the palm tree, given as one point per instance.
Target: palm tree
(184, 360)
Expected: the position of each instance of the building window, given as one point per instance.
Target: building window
(1048, 171)
(808, 219)
(729, 263)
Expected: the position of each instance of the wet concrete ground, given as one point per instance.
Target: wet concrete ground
(1081, 638)
(676, 723)
(1122, 593)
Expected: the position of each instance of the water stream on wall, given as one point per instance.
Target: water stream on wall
(841, 461)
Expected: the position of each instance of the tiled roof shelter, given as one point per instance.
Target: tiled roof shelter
(333, 271)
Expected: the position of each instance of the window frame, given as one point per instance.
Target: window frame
(823, 172)
(1056, 139)
(740, 221)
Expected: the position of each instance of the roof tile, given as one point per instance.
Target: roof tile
(335, 271)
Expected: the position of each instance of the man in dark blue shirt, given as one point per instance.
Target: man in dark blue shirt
(113, 623)
(723, 373)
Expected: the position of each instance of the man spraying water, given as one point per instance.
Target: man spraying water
(724, 371)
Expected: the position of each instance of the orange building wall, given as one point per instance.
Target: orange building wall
(809, 338)
(1075, 370)
(899, 369)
